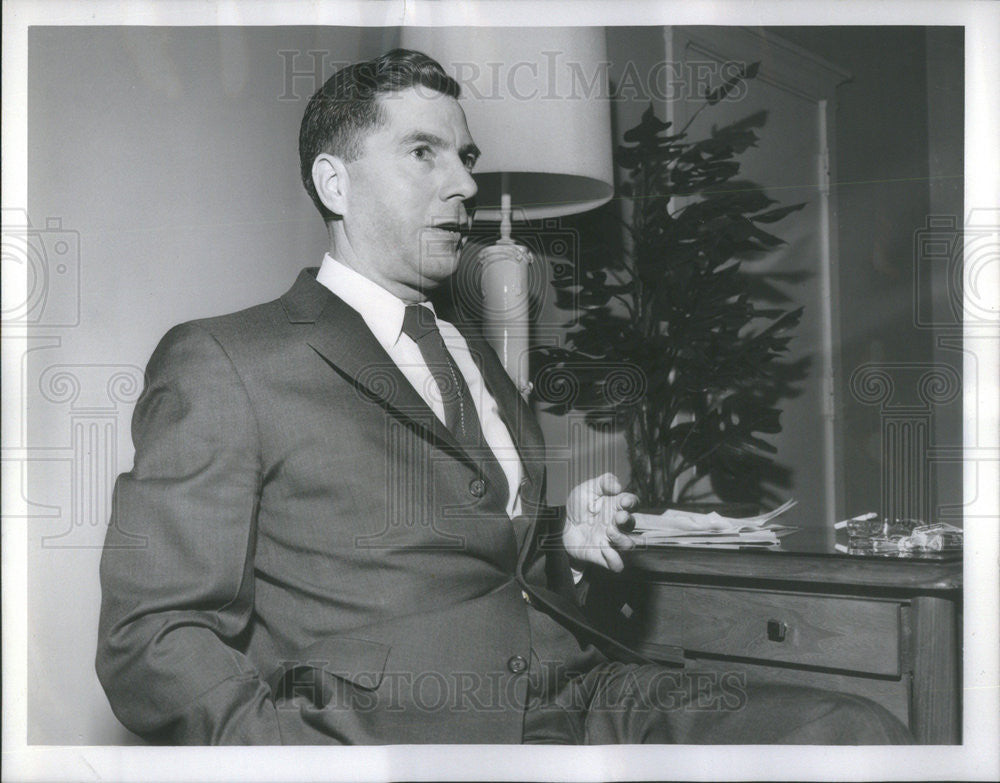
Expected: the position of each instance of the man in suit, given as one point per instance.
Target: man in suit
(341, 494)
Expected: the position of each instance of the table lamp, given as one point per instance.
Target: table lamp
(536, 100)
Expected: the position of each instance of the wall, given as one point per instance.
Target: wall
(899, 141)
(946, 163)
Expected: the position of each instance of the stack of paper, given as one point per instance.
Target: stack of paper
(688, 528)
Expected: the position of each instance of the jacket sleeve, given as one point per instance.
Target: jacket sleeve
(548, 563)
(177, 567)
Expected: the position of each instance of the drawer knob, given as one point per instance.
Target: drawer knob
(776, 630)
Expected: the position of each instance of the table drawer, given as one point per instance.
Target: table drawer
(826, 631)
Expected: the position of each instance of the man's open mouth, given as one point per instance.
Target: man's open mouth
(453, 227)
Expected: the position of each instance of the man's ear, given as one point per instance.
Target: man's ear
(330, 178)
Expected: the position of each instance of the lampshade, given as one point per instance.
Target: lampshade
(536, 103)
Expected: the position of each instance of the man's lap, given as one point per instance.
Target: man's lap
(644, 703)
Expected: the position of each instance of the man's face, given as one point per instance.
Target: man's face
(406, 192)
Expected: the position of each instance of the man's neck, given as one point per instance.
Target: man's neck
(399, 290)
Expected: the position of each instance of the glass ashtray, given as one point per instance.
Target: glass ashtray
(871, 535)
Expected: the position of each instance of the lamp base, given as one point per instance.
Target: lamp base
(506, 306)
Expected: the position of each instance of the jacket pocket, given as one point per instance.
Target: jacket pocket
(358, 661)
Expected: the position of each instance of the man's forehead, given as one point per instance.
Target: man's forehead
(423, 109)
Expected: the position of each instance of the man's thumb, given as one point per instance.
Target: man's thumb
(609, 484)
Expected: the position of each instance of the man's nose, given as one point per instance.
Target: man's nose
(461, 184)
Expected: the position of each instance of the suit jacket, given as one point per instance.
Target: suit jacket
(322, 561)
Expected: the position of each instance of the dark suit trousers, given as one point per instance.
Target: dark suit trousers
(585, 699)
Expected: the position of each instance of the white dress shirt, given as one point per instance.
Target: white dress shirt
(383, 313)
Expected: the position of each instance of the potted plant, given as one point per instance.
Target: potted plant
(674, 340)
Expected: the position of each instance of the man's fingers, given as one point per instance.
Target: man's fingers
(612, 559)
(620, 540)
(609, 484)
(628, 500)
(624, 520)
(602, 548)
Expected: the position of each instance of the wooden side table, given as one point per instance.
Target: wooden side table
(887, 628)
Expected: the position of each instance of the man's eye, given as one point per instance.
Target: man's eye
(421, 153)
(470, 162)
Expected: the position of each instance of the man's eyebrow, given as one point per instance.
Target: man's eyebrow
(423, 136)
(434, 140)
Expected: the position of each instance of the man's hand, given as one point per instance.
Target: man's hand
(596, 516)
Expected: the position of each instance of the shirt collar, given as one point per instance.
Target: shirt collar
(381, 310)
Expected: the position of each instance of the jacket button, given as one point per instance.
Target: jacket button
(477, 488)
(525, 486)
(517, 664)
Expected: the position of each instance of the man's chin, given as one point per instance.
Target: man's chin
(439, 266)
(440, 246)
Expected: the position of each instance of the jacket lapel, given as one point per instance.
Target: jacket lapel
(341, 337)
(343, 340)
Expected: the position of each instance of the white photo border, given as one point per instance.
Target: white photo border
(976, 759)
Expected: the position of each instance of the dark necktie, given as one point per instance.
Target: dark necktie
(460, 414)
(459, 409)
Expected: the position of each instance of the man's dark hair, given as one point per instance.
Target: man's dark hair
(347, 106)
